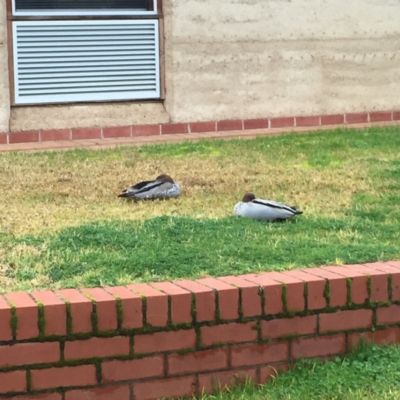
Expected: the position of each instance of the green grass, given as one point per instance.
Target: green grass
(370, 373)
(63, 226)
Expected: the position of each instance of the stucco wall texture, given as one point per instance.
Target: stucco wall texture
(238, 59)
(4, 85)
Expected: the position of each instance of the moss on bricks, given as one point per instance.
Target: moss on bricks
(284, 298)
(327, 293)
(120, 312)
(144, 310)
(374, 319)
(193, 308)
(94, 318)
(261, 293)
(240, 304)
(98, 371)
(69, 318)
(14, 321)
(369, 291)
(289, 336)
(198, 343)
(305, 294)
(293, 313)
(257, 327)
(349, 292)
(187, 350)
(41, 319)
(169, 322)
(217, 311)
(28, 380)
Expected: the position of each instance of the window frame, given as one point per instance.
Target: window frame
(157, 13)
(83, 13)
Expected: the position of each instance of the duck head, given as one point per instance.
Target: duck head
(248, 197)
(164, 178)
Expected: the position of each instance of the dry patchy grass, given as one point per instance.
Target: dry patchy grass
(39, 195)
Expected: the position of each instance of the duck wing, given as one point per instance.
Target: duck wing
(140, 188)
(276, 205)
(152, 190)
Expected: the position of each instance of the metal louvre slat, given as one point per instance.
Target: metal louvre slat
(74, 68)
(76, 29)
(139, 60)
(82, 77)
(74, 61)
(87, 81)
(83, 44)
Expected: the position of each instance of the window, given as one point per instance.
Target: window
(82, 7)
(88, 50)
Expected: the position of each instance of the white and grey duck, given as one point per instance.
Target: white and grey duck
(163, 187)
(264, 210)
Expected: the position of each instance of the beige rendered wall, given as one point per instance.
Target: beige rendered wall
(231, 59)
(4, 87)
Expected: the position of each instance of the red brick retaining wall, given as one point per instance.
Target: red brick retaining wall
(195, 127)
(146, 341)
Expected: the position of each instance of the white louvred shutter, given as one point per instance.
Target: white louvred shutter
(72, 61)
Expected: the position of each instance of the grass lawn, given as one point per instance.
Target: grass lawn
(62, 225)
(371, 373)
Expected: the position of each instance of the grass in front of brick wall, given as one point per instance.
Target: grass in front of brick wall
(61, 224)
(370, 373)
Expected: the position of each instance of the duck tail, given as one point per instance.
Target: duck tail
(297, 211)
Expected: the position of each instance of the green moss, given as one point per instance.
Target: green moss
(284, 298)
(69, 318)
(120, 312)
(261, 293)
(14, 321)
(169, 322)
(193, 308)
(187, 350)
(177, 327)
(217, 311)
(390, 286)
(349, 292)
(292, 313)
(240, 305)
(144, 310)
(374, 319)
(257, 327)
(288, 337)
(98, 371)
(305, 294)
(94, 318)
(377, 304)
(369, 290)
(327, 293)
(41, 319)
(198, 343)
(28, 381)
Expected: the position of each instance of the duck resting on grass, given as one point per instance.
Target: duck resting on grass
(163, 187)
(263, 210)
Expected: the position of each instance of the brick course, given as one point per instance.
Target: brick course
(96, 134)
(200, 348)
